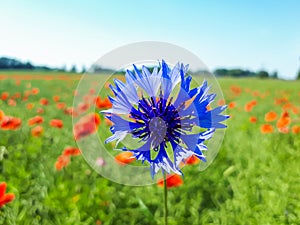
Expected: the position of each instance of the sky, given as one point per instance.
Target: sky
(255, 35)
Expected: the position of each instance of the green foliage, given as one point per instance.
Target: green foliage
(253, 180)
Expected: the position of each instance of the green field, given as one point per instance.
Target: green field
(255, 178)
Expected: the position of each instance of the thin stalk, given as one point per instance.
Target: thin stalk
(165, 199)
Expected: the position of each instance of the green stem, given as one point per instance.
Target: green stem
(165, 198)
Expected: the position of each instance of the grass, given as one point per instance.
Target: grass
(253, 180)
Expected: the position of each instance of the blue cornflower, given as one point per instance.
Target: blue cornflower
(169, 128)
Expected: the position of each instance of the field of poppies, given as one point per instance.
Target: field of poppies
(45, 180)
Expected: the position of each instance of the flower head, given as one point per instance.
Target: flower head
(161, 111)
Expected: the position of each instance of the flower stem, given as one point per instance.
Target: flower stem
(165, 198)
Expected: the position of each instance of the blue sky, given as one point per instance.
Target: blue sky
(245, 34)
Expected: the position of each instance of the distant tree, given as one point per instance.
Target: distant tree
(83, 70)
(298, 75)
(274, 75)
(73, 69)
(263, 74)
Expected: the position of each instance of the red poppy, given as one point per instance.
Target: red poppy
(86, 125)
(221, 102)
(236, 90)
(37, 131)
(249, 106)
(253, 119)
(173, 180)
(5, 198)
(284, 130)
(35, 120)
(231, 105)
(71, 151)
(60, 105)
(296, 129)
(124, 158)
(103, 104)
(270, 116)
(44, 101)
(40, 110)
(266, 128)
(4, 96)
(10, 123)
(35, 91)
(83, 107)
(56, 98)
(284, 120)
(56, 123)
(11, 102)
(30, 106)
(2, 115)
(62, 161)
(192, 160)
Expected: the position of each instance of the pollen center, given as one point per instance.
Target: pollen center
(158, 129)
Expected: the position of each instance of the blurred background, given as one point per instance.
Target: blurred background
(252, 38)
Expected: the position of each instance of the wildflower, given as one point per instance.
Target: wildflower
(86, 125)
(125, 158)
(56, 123)
(266, 128)
(60, 105)
(61, 162)
(296, 129)
(37, 131)
(231, 105)
(11, 102)
(40, 110)
(249, 106)
(192, 160)
(35, 91)
(103, 104)
(100, 161)
(56, 98)
(5, 198)
(284, 120)
(30, 106)
(10, 123)
(253, 119)
(4, 96)
(173, 180)
(35, 120)
(156, 118)
(2, 115)
(44, 101)
(270, 116)
(71, 151)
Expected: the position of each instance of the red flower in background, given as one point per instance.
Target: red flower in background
(56, 123)
(103, 104)
(10, 123)
(249, 106)
(62, 161)
(284, 120)
(5, 198)
(173, 180)
(266, 128)
(30, 106)
(296, 129)
(125, 158)
(270, 116)
(35, 120)
(71, 151)
(37, 131)
(2, 115)
(35, 91)
(253, 119)
(86, 125)
(192, 160)
(56, 98)
(60, 105)
(44, 101)
(4, 96)
(11, 102)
